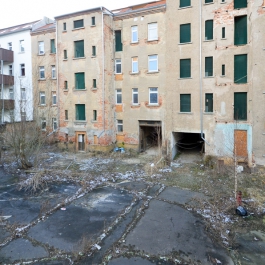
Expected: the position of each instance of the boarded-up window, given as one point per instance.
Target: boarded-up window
(80, 112)
(79, 80)
(185, 68)
(118, 42)
(208, 102)
(184, 33)
(240, 69)
(208, 66)
(240, 143)
(185, 103)
(79, 49)
(240, 106)
(183, 3)
(241, 31)
(240, 3)
(208, 29)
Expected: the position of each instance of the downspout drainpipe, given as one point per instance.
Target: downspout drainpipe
(201, 95)
(57, 81)
(3, 107)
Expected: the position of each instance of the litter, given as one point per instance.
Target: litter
(98, 247)
(240, 210)
(63, 209)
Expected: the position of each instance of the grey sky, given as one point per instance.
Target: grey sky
(15, 12)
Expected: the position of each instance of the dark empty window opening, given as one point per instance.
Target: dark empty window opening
(223, 32)
(223, 69)
(93, 21)
(66, 115)
(94, 51)
(94, 115)
(240, 31)
(65, 54)
(94, 83)
(118, 42)
(64, 26)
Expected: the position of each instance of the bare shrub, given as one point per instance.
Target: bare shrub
(34, 183)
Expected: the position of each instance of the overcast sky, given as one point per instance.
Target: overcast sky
(15, 12)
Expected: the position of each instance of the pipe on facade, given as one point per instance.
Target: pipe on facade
(57, 81)
(201, 95)
(3, 107)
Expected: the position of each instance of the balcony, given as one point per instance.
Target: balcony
(7, 80)
(9, 104)
(6, 55)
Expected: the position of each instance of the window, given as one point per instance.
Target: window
(54, 98)
(65, 85)
(42, 98)
(152, 63)
(65, 54)
(53, 48)
(120, 125)
(95, 115)
(81, 142)
(223, 32)
(80, 112)
(22, 70)
(223, 69)
(135, 96)
(9, 46)
(152, 31)
(185, 68)
(134, 31)
(21, 46)
(79, 80)
(93, 21)
(53, 72)
(11, 115)
(66, 114)
(153, 95)
(240, 69)
(42, 72)
(41, 47)
(93, 50)
(118, 42)
(208, 66)
(10, 69)
(184, 3)
(78, 24)
(208, 1)
(94, 83)
(185, 103)
(208, 29)
(241, 31)
(118, 66)
(79, 49)
(240, 106)
(54, 124)
(118, 96)
(240, 3)
(64, 26)
(184, 32)
(23, 93)
(43, 124)
(11, 93)
(135, 65)
(208, 102)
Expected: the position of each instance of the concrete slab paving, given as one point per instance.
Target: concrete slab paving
(133, 185)
(54, 262)
(166, 228)
(3, 234)
(131, 261)
(20, 249)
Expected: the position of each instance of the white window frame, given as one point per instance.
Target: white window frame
(119, 126)
(41, 47)
(43, 122)
(10, 69)
(134, 34)
(22, 46)
(135, 68)
(42, 99)
(11, 93)
(54, 98)
(23, 115)
(118, 93)
(9, 44)
(153, 90)
(23, 93)
(54, 124)
(117, 63)
(22, 68)
(41, 72)
(135, 92)
(53, 72)
(152, 59)
(152, 31)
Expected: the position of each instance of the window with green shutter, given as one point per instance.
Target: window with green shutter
(208, 29)
(185, 68)
(184, 33)
(241, 30)
(185, 103)
(80, 112)
(184, 3)
(208, 66)
(118, 42)
(79, 80)
(240, 69)
(208, 1)
(53, 49)
(78, 23)
(79, 49)
(208, 102)
(223, 69)
(240, 106)
(240, 3)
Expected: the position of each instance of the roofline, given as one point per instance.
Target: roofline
(33, 22)
(48, 30)
(145, 3)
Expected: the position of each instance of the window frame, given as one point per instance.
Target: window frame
(134, 34)
(10, 69)
(240, 30)
(208, 108)
(83, 79)
(243, 108)
(94, 50)
(53, 46)
(118, 93)
(75, 22)
(54, 121)
(11, 93)
(239, 63)
(135, 68)
(118, 41)
(77, 114)
(93, 21)
(79, 53)
(53, 72)
(119, 126)
(54, 98)
(41, 72)
(209, 25)
(41, 50)
(118, 64)
(21, 45)
(22, 70)
(43, 124)
(237, 2)
(208, 69)
(23, 95)
(135, 92)
(181, 33)
(182, 71)
(182, 3)
(152, 31)
(186, 105)
(153, 91)
(151, 61)
(10, 45)
(42, 98)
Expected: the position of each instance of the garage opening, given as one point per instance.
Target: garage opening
(150, 135)
(187, 143)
